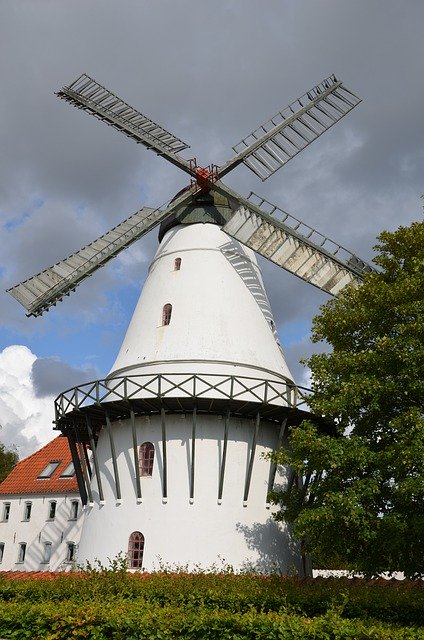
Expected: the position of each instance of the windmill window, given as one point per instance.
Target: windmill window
(52, 509)
(135, 550)
(6, 511)
(22, 552)
(146, 456)
(166, 315)
(177, 264)
(1, 551)
(74, 510)
(27, 511)
(47, 553)
(70, 552)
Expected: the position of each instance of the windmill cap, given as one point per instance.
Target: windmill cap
(211, 208)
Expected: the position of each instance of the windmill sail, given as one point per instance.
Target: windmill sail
(48, 287)
(275, 142)
(87, 94)
(295, 246)
(261, 226)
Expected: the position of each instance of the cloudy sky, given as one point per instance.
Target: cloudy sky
(210, 72)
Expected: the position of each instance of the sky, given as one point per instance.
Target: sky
(210, 72)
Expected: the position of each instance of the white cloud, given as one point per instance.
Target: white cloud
(26, 420)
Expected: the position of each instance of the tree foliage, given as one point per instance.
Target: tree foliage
(363, 508)
(8, 460)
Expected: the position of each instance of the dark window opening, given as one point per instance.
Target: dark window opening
(177, 264)
(52, 510)
(27, 510)
(166, 314)
(146, 456)
(70, 552)
(74, 510)
(1, 551)
(6, 511)
(135, 550)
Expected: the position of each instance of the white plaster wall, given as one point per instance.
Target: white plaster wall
(221, 324)
(218, 324)
(38, 530)
(179, 531)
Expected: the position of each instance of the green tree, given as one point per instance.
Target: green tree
(8, 460)
(360, 501)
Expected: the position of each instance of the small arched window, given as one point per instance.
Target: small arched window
(166, 314)
(177, 264)
(146, 456)
(135, 550)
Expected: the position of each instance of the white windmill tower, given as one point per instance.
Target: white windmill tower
(200, 388)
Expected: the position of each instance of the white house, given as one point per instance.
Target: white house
(40, 512)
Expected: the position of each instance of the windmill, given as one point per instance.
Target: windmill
(258, 224)
(200, 388)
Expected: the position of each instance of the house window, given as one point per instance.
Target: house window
(135, 550)
(22, 552)
(49, 470)
(146, 456)
(47, 553)
(74, 510)
(27, 511)
(166, 315)
(6, 511)
(177, 264)
(1, 551)
(70, 552)
(69, 472)
(52, 509)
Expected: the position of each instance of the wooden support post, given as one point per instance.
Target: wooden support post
(193, 453)
(135, 453)
(252, 457)
(164, 461)
(95, 459)
(224, 457)
(114, 460)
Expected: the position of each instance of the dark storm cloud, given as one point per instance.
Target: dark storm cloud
(51, 376)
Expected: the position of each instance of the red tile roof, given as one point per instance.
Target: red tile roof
(24, 477)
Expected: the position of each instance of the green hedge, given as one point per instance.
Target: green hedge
(119, 605)
(131, 620)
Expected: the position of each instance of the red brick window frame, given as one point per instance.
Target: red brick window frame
(177, 264)
(166, 315)
(136, 550)
(146, 457)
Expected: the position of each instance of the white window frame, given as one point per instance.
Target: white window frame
(21, 553)
(6, 511)
(27, 514)
(71, 551)
(49, 515)
(47, 552)
(74, 510)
